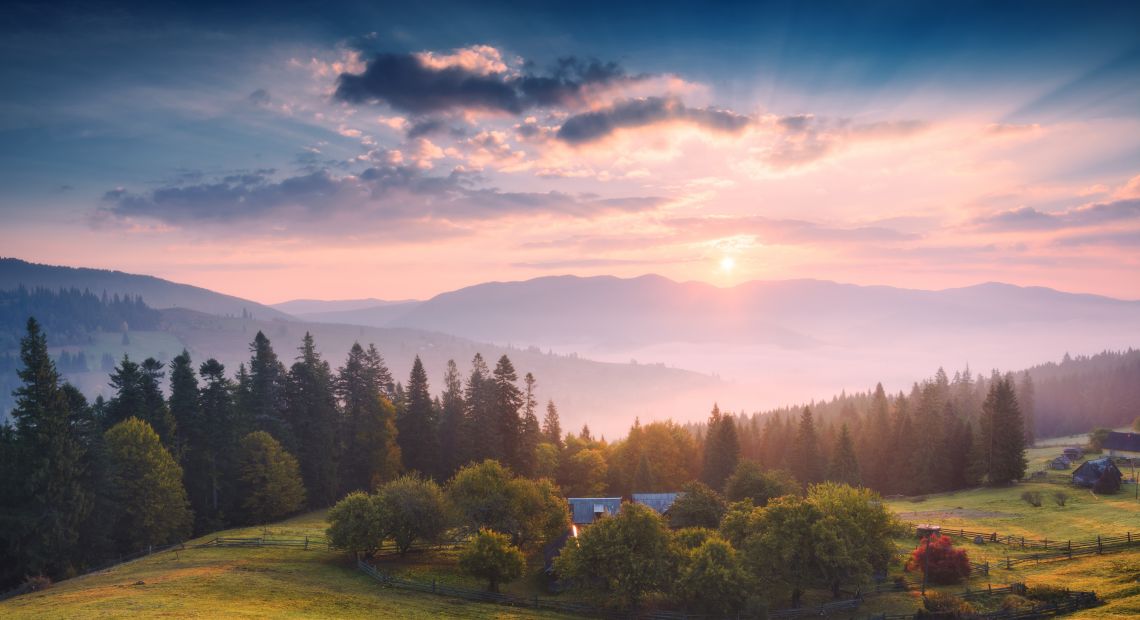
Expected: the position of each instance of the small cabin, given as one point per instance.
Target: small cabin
(1061, 462)
(1073, 453)
(1090, 471)
(660, 502)
(926, 530)
(586, 510)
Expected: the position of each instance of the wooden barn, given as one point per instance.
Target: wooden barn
(1061, 462)
(1125, 445)
(661, 502)
(1090, 471)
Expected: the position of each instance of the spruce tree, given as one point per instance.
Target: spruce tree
(371, 455)
(844, 465)
(193, 447)
(551, 426)
(183, 402)
(807, 458)
(313, 416)
(264, 394)
(531, 431)
(1028, 402)
(50, 500)
(155, 410)
(215, 449)
(479, 397)
(453, 439)
(722, 449)
(128, 401)
(1002, 434)
(507, 401)
(418, 428)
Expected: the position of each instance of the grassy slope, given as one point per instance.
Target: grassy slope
(243, 583)
(1114, 577)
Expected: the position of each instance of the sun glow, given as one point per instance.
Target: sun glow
(727, 264)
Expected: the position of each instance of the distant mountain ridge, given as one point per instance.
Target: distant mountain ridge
(157, 292)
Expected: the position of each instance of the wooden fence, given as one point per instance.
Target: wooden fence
(1045, 550)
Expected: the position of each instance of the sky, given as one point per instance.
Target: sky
(280, 150)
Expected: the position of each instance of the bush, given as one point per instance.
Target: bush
(697, 506)
(751, 482)
(411, 508)
(1048, 595)
(355, 524)
(712, 579)
(35, 583)
(1016, 603)
(1060, 498)
(1033, 498)
(944, 604)
(492, 557)
(945, 563)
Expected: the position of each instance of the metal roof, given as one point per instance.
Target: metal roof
(657, 501)
(1127, 442)
(585, 510)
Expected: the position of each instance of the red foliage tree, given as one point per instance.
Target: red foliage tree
(944, 563)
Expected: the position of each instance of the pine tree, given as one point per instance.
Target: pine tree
(722, 449)
(155, 410)
(844, 465)
(193, 447)
(371, 455)
(508, 400)
(128, 400)
(418, 427)
(50, 505)
(214, 452)
(453, 439)
(1002, 434)
(183, 402)
(479, 397)
(531, 434)
(807, 459)
(1027, 401)
(264, 400)
(643, 479)
(551, 426)
(313, 416)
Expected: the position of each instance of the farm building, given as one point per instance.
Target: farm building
(1090, 471)
(1123, 444)
(1073, 453)
(657, 501)
(586, 510)
(1061, 462)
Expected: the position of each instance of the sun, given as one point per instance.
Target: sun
(727, 264)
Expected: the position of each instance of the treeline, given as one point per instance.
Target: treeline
(1085, 391)
(70, 315)
(83, 482)
(946, 434)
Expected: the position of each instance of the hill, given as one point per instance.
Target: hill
(244, 583)
(777, 341)
(157, 292)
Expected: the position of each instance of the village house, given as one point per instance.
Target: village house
(1090, 471)
(1122, 445)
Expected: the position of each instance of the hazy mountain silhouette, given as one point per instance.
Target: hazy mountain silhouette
(157, 293)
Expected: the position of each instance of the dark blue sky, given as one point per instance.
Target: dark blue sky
(162, 117)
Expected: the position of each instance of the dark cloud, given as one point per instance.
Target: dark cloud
(260, 97)
(592, 126)
(433, 126)
(1028, 218)
(405, 82)
(320, 201)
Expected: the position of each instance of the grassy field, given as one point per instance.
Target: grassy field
(1114, 577)
(243, 583)
(292, 583)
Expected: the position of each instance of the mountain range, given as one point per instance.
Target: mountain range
(608, 349)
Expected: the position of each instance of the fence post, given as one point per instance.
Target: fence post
(1007, 564)
(433, 586)
(1023, 543)
(1098, 548)
(1069, 545)
(1046, 543)
(306, 543)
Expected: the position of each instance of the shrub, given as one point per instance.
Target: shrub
(355, 524)
(492, 557)
(944, 604)
(1060, 497)
(1049, 595)
(1033, 498)
(35, 583)
(1016, 603)
(945, 564)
